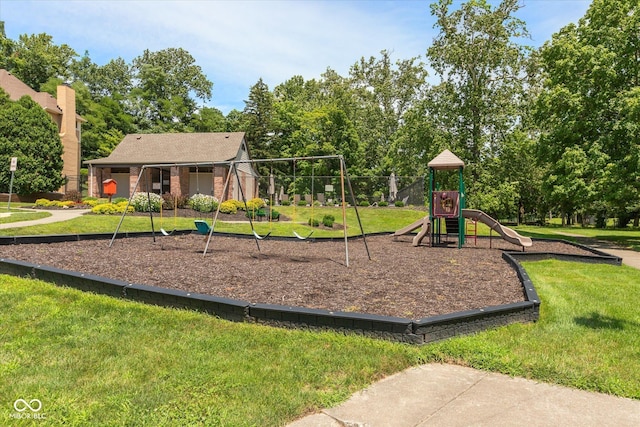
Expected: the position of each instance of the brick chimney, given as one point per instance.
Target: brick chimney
(70, 135)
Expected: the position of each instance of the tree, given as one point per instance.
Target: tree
(35, 59)
(384, 92)
(208, 119)
(167, 81)
(481, 99)
(258, 112)
(28, 133)
(590, 104)
(481, 68)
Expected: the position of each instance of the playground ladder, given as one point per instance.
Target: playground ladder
(473, 227)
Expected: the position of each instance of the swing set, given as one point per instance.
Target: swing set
(233, 171)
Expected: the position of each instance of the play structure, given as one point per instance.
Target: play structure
(234, 166)
(447, 213)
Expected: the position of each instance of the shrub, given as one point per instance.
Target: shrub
(328, 220)
(43, 203)
(228, 207)
(302, 202)
(111, 208)
(140, 202)
(119, 200)
(91, 201)
(363, 203)
(383, 203)
(398, 204)
(314, 222)
(104, 209)
(255, 204)
(286, 203)
(257, 213)
(203, 203)
(240, 205)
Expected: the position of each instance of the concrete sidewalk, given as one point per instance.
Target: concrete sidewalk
(57, 215)
(629, 257)
(450, 395)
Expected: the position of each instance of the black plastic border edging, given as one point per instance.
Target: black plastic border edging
(392, 328)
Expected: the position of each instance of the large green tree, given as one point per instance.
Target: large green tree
(481, 99)
(258, 113)
(384, 92)
(169, 85)
(28, 133)
(35, 59)
(590, 107)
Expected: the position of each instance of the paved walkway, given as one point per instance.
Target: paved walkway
(57, 215)
(450, 395)
(629, 257)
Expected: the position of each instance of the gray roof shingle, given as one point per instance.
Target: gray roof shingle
(171, 148)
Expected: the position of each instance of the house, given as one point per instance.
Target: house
(182, 164)
(63, 112)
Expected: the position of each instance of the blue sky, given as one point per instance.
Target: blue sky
(238, 42)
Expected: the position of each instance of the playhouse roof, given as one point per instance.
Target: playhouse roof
(446, 160)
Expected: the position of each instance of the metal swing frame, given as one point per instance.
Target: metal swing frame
(232, 164)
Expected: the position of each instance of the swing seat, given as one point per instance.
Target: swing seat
(303, 237)
(202, 226)
(167, 233)
(259, 237)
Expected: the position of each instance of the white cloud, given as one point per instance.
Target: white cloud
(238, 42)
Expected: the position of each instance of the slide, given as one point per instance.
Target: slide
(426, 227)
(507, 233)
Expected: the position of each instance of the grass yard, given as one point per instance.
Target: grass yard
(97, 360)
(94, 359)
(15, 215)
(588, 335)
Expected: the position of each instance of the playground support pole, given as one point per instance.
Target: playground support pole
(244, 200)
(344, 213)
(431, 219)
(149, 178)
(215, 218)
(115, 233)
(461, 206)
(355, 207)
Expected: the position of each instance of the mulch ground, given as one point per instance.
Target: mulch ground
(399, 280)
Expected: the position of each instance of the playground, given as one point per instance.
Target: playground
(400, 280)
(399, 274)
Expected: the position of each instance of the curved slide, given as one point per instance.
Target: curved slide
(425, 223)
(507, 233)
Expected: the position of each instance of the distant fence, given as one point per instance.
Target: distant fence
(372, 188)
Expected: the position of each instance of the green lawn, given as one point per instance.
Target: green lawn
(628, 238)
(97, 360)
(16, 215)
(373, 220)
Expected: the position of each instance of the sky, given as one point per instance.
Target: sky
(238, 42)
